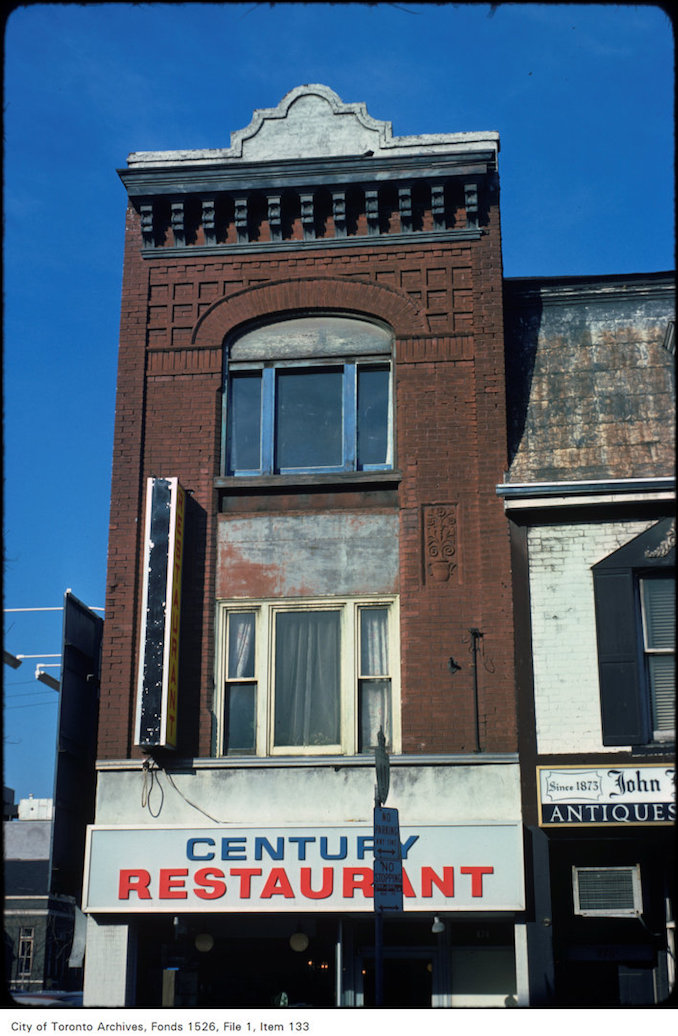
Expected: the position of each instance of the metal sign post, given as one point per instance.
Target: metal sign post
(388, 868)
(378, 958)
(382, 766)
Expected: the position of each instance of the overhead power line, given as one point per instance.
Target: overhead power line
(92, 608)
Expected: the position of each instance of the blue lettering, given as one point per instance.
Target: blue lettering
(406, 846)
(302, 840)
(341, 855)
(365, 844)
(263, 843)
(232, 847)
(235, 848)
(190, 848)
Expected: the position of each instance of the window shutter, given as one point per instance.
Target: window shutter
(624, 714)
(663, 687)
(659, 608)
(660, 612)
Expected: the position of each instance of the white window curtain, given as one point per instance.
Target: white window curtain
(373, 642)
(241, 646)
(375, 693)
(307, 678)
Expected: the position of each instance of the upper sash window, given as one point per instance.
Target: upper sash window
(309, 394)
(307, 677)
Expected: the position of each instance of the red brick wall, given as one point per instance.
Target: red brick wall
(451, 437)
(444, 304)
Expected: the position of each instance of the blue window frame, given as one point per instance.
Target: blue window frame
(300, 418)
(309, 394)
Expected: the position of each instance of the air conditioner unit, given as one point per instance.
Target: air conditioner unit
(607, 891)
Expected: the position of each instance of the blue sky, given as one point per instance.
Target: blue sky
(582, 96)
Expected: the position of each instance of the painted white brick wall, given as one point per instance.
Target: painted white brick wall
(109, 964)
(566, 688)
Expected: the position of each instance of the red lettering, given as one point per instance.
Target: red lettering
(305, 883)
(277, 884)
(212, 887)
(171, 884)
(407, 885)
(134, 881)
(179, 531)
(477, 878)
(356, 879)
(429, 878)
(245, 874)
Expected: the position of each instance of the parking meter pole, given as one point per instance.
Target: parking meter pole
(380, 795)
(378, 958)
(378, 941)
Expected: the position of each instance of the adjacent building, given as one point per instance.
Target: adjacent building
(38, 924)
(44, 928)
(590, 498)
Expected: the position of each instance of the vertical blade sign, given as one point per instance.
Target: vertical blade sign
(157, 692)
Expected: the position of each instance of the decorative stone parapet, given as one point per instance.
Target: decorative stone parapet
(313, 170)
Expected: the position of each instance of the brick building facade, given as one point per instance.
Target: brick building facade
(317, 255)
(440, 290)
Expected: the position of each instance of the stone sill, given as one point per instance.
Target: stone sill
(359, 479)
(327, 761)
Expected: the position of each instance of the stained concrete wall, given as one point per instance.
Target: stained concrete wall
(307, 555)
(268, 794)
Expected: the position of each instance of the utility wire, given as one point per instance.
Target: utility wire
(193, 804)
(150, 768)
(23, 694)
(33, 705)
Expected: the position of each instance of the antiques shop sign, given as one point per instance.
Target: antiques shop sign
(601, 796)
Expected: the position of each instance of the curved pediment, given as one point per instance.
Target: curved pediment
(312, 121)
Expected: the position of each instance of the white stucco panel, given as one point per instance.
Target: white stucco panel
(309, 794)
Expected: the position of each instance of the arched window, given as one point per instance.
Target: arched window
(309, 394)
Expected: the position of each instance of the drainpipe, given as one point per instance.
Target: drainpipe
(475, 637)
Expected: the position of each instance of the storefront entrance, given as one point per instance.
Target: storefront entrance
(224, 961)
(307, 961)
(407, 979)
(322, 961)
(266, 973)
